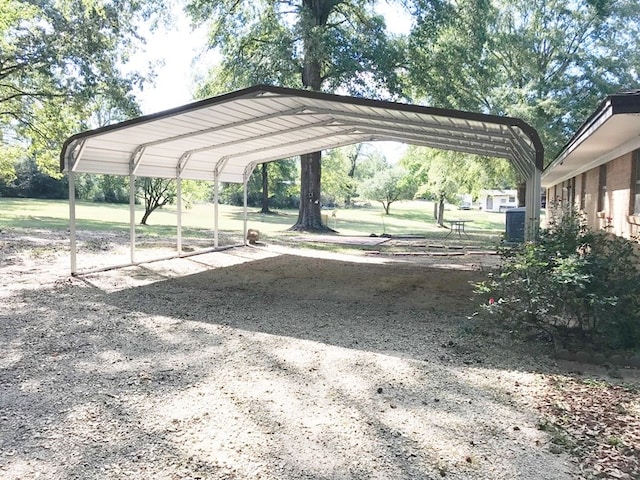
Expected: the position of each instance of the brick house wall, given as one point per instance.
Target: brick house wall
(592, 182)
(605, 194)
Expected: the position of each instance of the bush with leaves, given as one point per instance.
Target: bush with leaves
(575, 284)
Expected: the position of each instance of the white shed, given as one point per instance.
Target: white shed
(498, 200)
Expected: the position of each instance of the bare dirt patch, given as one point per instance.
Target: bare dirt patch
(260, 362)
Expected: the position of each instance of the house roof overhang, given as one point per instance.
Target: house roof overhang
(223, 137)
(610, 132)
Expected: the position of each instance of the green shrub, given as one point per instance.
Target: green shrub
(573, 283)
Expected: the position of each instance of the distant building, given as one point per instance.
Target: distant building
(498, 200)
(598, 171)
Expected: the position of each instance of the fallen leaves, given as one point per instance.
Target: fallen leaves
(598, 422)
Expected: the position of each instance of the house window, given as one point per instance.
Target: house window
(583, 191)
(512, 199)
(602, 190)
(636, 185)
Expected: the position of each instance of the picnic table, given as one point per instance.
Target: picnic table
(457, 226)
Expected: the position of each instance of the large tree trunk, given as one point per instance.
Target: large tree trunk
(309, 216)
(265, 189)
(441, 211)
(315, 14)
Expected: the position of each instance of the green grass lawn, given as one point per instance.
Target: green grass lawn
(405, 218)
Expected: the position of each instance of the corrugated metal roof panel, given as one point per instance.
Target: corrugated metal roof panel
(260, 124)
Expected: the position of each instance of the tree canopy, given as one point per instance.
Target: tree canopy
(325, 45)
(345, 169)
(448, 174)
(388, 186)
(57, 59)
(273, 42)
(548, 62)
(445, 175)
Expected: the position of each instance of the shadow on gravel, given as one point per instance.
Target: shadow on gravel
(74, 374)
(402, 307)
(281, 368)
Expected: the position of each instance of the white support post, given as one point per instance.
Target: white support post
(72, 160)
(537, 204)
(528, 210)
(72, 220)
(182, 163)
(216, 201)
(132, 217)
(245, 216)
(179, 213)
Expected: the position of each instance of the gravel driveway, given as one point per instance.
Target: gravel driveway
(258, 363)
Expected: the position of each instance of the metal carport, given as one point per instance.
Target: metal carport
(222, 139)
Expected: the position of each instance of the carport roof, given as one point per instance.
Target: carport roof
(231, 133)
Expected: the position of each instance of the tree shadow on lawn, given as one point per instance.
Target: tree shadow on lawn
(376, 226)
(285, 367)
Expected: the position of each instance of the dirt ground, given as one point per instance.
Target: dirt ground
(265, 362)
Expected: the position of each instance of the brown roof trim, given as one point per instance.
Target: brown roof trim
(618, 103)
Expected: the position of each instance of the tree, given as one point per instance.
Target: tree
(277, 178)
(438, 174)
(388, 186)
(8, 157)
(444, 175)
(337, 186)
(347, 167)
(317, 44)
(157, 192)
(265, 189)
(194, 191)
(30, 182)
(282, 189)
(369, 163)
(56, 57)
(548, 62)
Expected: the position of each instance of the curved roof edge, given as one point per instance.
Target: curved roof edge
(259, 90)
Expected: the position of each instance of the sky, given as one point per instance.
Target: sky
(177, 48)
